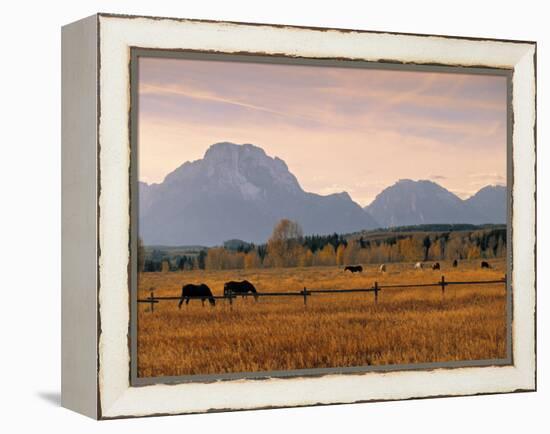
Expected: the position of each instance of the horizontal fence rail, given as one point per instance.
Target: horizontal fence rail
(305, 293)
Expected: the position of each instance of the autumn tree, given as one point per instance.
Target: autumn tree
(436, 250)
(306, 258)
(454, 248)
(474, 252)
(351, 254)
(501, 248)
(410, 249)
(325, 256)
(284, 246)
(215, 259)
(252, 260)
(340, 254)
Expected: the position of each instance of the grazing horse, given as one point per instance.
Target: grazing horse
(418, 266)
(382, 268)
(201, 291)
(239, 288)
(354, 268)
(455, 263)
(485, 264)
(436, 266)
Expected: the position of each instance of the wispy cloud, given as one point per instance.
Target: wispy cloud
(151, 89)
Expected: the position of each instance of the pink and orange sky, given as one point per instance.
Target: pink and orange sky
(338, 129)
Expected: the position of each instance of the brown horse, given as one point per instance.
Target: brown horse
(239, 288)
(354, 268)
(201, 292)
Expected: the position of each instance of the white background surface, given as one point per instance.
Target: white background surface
(30, 217)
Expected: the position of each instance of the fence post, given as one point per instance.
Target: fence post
(376, 292)
(305, 296)
(152, 298)
(443, 284)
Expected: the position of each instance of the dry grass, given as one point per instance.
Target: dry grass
(406, 326)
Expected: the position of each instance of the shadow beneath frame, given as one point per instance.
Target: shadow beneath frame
(52, 398)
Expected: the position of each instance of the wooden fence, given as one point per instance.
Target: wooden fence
(305, 293)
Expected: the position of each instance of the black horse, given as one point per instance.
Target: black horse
(455, 263)
(239, 288)
(191, 291)
(436, 266)
(354, 268)
(485, 264)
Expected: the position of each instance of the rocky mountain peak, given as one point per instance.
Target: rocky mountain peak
(238, 191)
(246, 166)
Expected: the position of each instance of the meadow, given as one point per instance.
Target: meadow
(409, 325)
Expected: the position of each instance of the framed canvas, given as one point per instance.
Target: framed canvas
(262, 216)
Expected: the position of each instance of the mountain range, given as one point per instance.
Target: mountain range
(240, 192)
(410, 202)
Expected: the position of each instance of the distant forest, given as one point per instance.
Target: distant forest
(288, 247)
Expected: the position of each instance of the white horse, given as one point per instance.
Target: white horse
(382, 268)
(418, 266)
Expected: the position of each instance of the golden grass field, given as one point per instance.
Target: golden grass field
(279, 333)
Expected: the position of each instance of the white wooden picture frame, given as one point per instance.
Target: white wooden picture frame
(96, 130)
